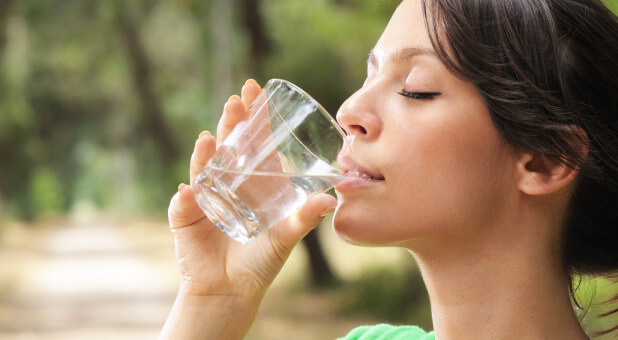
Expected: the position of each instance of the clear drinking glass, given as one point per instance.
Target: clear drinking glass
(271, 164)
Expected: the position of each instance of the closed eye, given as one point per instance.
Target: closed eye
(419, 95)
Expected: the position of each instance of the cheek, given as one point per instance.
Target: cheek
(456, 175)
(449, 175)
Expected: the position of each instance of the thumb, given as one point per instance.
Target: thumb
(309, 216)
(183, 209)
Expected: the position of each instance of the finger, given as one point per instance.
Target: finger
(183, 209)
(309, 216)
(203, 151)
(250, 91)
(234, 112)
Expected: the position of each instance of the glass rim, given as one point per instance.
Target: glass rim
(304, 93)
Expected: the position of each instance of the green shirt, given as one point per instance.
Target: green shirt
(388, 332)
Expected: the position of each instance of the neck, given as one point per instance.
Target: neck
(497, 287)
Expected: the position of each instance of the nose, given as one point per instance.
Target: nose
(357, 115)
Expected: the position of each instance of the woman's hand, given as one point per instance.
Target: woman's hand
(222, 280)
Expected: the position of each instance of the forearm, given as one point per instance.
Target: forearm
(209, 317)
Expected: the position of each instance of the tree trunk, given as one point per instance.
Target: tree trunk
(321, 274)
(4, 11)
(259, 40)
(5, 151)
(152, 115)
(261, 45)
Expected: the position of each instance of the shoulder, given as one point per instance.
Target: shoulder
(388, 332)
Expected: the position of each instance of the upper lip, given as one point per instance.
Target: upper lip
(350, 167)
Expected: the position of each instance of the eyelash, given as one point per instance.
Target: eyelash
(419, 95)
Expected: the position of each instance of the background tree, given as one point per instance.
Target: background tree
(102, 100)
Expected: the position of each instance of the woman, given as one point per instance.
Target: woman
(489, 133)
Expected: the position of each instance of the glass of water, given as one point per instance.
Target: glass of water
(271, 164)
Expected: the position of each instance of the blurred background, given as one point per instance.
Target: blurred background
(101, 102)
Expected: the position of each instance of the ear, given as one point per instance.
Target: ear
(542, 175)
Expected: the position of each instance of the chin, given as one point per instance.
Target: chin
(378, 230)
(345, 226)
(354, 229)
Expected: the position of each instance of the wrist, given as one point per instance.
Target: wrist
(201, 316)
(227, 294)
(199, 301)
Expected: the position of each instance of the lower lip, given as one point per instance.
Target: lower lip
(351, 183)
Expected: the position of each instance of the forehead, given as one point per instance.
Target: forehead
(405, 33)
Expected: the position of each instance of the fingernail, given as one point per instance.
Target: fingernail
(326, 211)
(233, 97)
(250, 81)
(203, 133)
(181, 186)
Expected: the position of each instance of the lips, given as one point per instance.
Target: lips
(353, 170)
(364, 174)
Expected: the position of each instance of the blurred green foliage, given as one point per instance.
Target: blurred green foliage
(393, 294)
(611, 4)
(80, 103)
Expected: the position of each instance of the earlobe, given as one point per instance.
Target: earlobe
(543, 175)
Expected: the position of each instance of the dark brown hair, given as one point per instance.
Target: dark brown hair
(547, 70)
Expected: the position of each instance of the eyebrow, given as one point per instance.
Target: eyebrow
(402, 55)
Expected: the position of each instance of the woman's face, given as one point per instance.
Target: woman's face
(439, 166)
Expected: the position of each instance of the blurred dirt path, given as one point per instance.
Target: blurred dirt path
(94, 277)
(84, 280)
